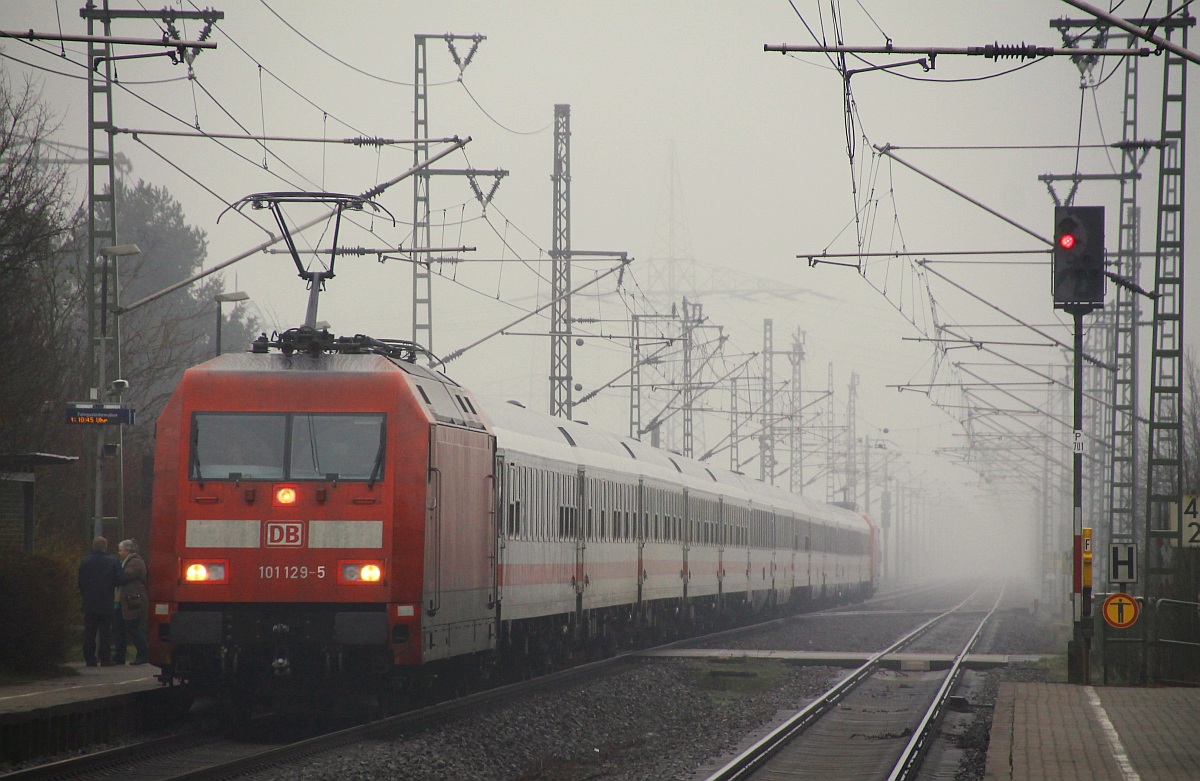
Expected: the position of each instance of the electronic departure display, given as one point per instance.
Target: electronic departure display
(91, 413)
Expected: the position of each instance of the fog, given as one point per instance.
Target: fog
(708, 161)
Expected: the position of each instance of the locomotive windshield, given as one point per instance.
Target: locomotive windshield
(279, 446)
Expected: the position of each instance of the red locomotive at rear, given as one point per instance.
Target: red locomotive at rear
(296, 497)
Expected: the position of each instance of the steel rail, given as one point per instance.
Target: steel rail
(909, 762)
(115, 761)
(753, 758)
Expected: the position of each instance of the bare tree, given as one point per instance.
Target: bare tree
(40, 299)
(1191, 426)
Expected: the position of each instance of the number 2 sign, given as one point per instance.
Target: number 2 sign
(1189, 522)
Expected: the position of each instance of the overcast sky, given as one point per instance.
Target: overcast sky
(757, 142)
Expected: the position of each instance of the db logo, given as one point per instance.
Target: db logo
(287, 534)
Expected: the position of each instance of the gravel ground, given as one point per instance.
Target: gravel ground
(657, 720)
(676, 719)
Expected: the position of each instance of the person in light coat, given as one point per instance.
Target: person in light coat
(132, 605)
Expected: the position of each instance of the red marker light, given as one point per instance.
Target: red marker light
(1067, 240)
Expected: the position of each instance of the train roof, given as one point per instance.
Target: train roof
(443, 397)
(325, 362)
(523, 432)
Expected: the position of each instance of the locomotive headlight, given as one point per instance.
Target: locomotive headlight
(284, 496)
(205, 572)
(360, 571)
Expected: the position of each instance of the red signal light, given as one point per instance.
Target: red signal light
(1067, 240)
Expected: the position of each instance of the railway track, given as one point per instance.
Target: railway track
(209, 755)
(214, 756)
(871, 705)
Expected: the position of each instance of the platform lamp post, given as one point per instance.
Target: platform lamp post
(102, 389)
(885, 497)
(221, 299)
(886, 507)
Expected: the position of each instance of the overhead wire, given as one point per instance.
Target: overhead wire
(866, 214)
(200, 184)
(282, 82)
(337, 59)
(497, 122)
(197, 83)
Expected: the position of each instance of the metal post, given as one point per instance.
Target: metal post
(561, 396)
(102, 383)
(101, 360)
(1081, 592)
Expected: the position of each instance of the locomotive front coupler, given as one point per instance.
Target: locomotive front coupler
(281, 666)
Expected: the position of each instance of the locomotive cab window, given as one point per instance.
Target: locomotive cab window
(277, 446)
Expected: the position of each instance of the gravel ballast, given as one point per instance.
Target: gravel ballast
(678, 719)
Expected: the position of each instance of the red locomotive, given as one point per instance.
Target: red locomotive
(329, 512)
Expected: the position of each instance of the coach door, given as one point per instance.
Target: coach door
(685, 535)
(505, 513)
(721, 532)
(639, 534)
(460, 543)
(581, 524)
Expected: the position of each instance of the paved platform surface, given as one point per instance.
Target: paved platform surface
(91, 683)
(1063, 732)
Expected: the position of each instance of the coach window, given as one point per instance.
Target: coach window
(530, 505)
(543, 504)
(514, 520)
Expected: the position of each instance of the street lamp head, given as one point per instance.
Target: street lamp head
(225, 298)
(120, 250)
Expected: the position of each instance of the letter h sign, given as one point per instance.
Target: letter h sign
(1122, 562)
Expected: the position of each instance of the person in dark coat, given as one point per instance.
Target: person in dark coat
(99, 574)
(129, 620)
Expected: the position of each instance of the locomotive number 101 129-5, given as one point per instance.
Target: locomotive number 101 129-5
(290, 572)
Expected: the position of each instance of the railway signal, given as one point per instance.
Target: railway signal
(1078, 267)
(1077, 284)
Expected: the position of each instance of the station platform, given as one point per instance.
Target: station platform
(95, 704)
(1065, 732)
